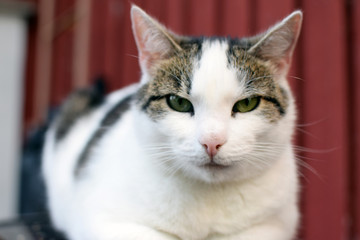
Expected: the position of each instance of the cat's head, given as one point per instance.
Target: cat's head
(215, 109)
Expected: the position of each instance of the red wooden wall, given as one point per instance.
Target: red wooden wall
(73, 41)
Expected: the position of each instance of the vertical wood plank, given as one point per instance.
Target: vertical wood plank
(129, 52)
(62, 51)
(235, 16)
(114, 43)
(354, 49)
(98, 31)
(29, 85)
(157, 9)
(43, 60)
(203, 19)
(269, 13)
(177, 15)
(81, 43)
(325, 100)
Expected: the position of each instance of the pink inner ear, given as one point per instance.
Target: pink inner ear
(148, 59)
(154, 42)
(278, 44)
(142, 27)
(139, 27)
(283, 66)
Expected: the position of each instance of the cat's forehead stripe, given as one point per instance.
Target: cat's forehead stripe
(213, 80)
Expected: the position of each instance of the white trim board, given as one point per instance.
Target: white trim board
(12, 48)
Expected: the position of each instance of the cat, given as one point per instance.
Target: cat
(199, 149)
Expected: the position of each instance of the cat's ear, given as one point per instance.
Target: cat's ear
(154, 41)
(278, 43)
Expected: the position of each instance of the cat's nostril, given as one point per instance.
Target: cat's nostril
(212, 149)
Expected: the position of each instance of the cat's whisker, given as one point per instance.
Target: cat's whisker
(159, 154)
(302, 175)
(297, 78)
(260, 160)
(311, 123)
(259, 164)
(131, 55)
(157, 145)
(300, 127)
(274, 147)
(307, 166)
(173, 169)
(307, 133)
(306, 158)
(312, 150)
(164, 162)
(157, 149)
(264, 145)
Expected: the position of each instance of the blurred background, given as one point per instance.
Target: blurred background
(50, 47)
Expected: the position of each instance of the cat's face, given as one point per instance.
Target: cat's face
(212, 108)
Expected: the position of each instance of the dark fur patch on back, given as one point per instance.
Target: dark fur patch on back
(79, 103)
(109, 120)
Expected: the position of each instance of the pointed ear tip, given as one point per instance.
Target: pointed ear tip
(135, 7)
(297, 15)
(135, 10)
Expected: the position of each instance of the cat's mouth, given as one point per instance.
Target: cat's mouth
(214, 166)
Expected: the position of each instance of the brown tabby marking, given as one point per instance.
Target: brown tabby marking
(169, 76)
(260, 81)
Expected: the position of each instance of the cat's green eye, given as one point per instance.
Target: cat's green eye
(179, 104)
(246, 105)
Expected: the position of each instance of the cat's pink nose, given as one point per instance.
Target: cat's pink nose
(212, 147)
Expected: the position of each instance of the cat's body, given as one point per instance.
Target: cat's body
(177, 156)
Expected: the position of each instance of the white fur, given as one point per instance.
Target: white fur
(145, 179)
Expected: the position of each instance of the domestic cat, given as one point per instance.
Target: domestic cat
(199, 149)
